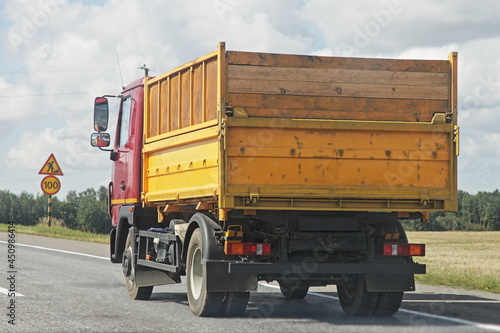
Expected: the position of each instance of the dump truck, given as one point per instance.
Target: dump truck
(241, 167)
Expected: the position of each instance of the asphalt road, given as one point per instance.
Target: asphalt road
(81, 291)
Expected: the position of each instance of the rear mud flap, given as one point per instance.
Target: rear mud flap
(389, 282)
(218, 279)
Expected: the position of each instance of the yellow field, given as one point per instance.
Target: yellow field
(462, 259)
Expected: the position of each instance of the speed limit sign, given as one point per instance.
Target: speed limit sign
(50, 185)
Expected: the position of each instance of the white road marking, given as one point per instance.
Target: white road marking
(493, 301)
(56, 250)
(6, 292)
(491, 327)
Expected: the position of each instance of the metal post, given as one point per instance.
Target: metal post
(49, 210)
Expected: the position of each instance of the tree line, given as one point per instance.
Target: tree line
(87, 211)
(476, 212)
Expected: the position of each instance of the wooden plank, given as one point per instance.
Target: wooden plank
(380, 115)
(211, 90)
(286, 60)
(185, 100)
(153, 110)
(337, 89)
(198, 94)
(337, 75)
(290, 106)
(174, 103)
(165, 106)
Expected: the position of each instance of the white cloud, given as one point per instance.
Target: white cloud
(65, 50)
(15, 105)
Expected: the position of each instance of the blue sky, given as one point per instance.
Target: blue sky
(57, 55)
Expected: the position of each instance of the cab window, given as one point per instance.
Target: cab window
(125, 121)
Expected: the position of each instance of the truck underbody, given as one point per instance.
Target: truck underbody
(308, 249)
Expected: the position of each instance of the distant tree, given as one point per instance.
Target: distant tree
(87, 211)
(469, 209)
(68, 210)
(5, 203)
(92, 212)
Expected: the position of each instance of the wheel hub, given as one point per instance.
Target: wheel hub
(126, 265)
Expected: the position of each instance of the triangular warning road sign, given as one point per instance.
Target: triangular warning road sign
(51, 167)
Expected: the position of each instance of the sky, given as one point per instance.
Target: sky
(56, 56)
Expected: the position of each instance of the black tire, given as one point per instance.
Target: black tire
(235, 304)
(201, 302)
(293, 293)
(388, 303)
(355, 299)
(134, 292)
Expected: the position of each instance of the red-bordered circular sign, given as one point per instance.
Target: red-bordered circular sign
(50, 185)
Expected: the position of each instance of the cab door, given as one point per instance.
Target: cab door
(125, 186)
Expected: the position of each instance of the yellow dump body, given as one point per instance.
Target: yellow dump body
(240, 130)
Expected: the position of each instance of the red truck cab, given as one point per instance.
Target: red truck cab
(124, 190)
(125, 187)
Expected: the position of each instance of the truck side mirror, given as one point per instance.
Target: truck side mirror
(101, 114)
(100, 140)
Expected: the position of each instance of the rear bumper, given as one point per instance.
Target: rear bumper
(244, 275)
(237, 267)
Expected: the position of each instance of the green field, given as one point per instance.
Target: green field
(461, 259)
(57, 232)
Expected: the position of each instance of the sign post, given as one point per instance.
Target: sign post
(50, 184)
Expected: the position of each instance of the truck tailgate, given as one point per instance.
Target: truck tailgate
(340, 133)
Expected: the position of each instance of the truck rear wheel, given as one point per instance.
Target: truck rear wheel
(235, 304)
(388, 303)
(354, 298)
(201, 302)
(291, 292)
(134, 292)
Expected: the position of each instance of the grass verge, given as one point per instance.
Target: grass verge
(461, 259)
(58, 232)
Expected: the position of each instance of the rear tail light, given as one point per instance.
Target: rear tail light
(246, 249)
(393, 249)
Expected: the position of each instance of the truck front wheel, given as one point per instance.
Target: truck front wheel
(201, 302)
(134, 292)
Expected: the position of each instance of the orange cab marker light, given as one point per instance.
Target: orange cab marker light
(245, 249)
(395, 249)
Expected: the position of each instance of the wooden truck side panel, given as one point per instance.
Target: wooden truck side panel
(304, 132)
(311, 87)
(181, 149)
